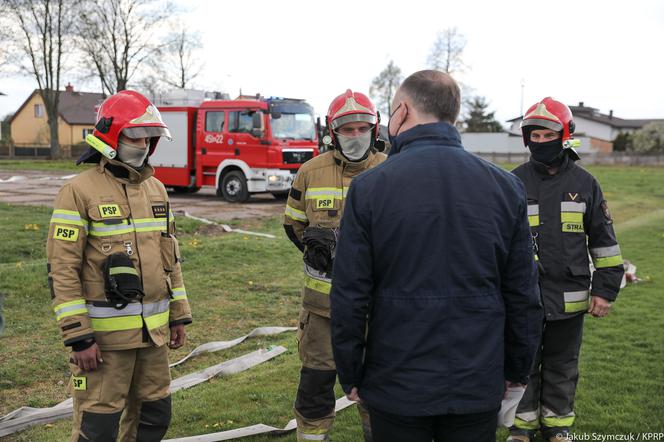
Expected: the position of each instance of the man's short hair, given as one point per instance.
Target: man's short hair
(434, 93)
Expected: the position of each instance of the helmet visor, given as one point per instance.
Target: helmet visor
(147, 132)
(365, 118)
(547, 124)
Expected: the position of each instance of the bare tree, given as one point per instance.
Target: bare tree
(447, 51)
(38, 32)
(118, 36)
(177, 62)
(385, 85)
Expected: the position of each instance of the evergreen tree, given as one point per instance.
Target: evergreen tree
(478, 118)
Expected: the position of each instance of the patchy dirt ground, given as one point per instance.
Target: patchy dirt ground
(33, 187)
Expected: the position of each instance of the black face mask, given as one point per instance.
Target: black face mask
(549, 153)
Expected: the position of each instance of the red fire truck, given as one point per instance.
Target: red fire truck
(238, 146)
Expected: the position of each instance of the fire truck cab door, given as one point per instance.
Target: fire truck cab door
(213, 144)
(246, 128)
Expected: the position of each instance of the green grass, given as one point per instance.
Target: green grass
(55, 165)
(237, 283)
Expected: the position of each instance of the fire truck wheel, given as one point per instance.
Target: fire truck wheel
(234, 187)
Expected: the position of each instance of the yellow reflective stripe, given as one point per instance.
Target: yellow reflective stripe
(318, 285)
(573, 307)
(566, 421)
(329, 192)
(156, 321)
(297, 215)
(609, 261)
(151, 229)
(533, 220)
(101, 229)
(69, 304)
(179, 293)
(526, 425)
(66, 212)
(117, 324)
(120, 270)
(150, 224)
(67, 217)
(70, 308)
(571, 217)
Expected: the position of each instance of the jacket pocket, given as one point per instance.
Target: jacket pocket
(169, 252)
(578, 270)
(85, 385)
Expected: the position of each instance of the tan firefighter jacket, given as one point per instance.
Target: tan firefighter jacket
(317, 199)
(109, 209)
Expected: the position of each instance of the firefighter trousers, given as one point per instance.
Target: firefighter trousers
(549, 398)
(135, 381)
(315, 401)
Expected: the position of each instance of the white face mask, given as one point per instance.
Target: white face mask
(132, 155)
(354, 148)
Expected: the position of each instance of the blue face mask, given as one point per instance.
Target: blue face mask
(393, 138)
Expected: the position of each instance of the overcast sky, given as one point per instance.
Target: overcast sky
(605, 53)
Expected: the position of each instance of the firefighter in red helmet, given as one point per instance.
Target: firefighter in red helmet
(313, 212)
(115, 278)
(570, 221)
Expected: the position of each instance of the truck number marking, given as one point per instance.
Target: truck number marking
(214, 138)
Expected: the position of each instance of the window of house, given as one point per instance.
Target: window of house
(214, 122)
(39, 110)
(241, 121)
(87, 131)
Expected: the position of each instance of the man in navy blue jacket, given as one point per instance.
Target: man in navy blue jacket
(435, 305)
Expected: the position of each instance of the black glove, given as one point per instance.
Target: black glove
(319, 244)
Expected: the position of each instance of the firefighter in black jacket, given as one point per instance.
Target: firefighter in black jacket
(569, 219)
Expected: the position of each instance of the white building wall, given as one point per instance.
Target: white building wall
(503, 142)
(593, 129)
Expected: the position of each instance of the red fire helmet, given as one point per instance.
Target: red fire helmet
(351, 106)
(550, 114)
(129, 113)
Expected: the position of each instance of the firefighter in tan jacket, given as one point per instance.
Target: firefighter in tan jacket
(313, 213)
(115, 278)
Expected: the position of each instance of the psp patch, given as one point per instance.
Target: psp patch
(109, 210)
(324, 203)
(79, 383)
(65, 233)
(159, 211)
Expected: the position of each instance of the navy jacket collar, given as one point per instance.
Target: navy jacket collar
(441, 133)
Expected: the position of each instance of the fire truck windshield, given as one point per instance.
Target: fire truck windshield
(294, 126)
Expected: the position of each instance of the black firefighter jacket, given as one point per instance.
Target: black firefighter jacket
(435, 249)
(569, 219)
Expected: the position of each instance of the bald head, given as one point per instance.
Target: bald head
(433, 94)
